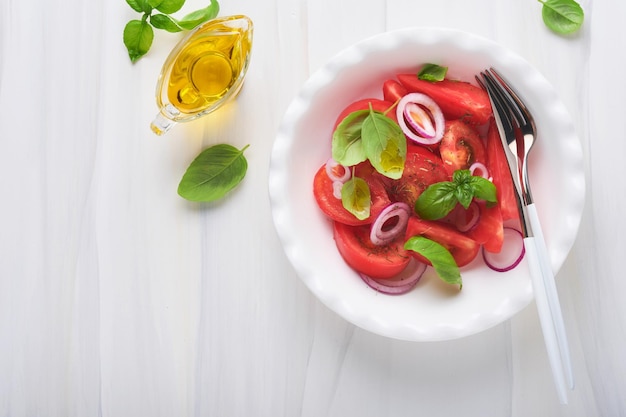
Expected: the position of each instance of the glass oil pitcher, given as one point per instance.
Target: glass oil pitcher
(205, 70)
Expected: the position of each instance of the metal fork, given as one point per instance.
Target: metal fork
(518, 133)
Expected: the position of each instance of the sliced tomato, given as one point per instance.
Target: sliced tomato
(489, 231)
(421, 169)
(501, 175)
(393, 90)
(457, 99)
(461, 146)
(333, 208)
(377, 104)
(463, 248)
(356, 248)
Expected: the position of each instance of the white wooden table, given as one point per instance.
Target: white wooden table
(119, 298)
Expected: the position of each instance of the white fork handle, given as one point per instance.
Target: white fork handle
(545, 318)
(551, 292)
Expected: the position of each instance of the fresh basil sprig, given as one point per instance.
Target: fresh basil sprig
(562, 16)
(440, 198)
(370, 135)
(214, 172)
(432, 72)
(441, 259)
(367, 135)
(139, 34)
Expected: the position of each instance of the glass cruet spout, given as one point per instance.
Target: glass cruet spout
(164, 120)
(204, 71)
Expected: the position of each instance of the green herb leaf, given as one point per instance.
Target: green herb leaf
(197, 17)
(440, 198)
(436, 201)
(214, 172)
(441, 259)
(464, 194)
(464, 191)
(484, 189)
(141, 6)
(432, 72)
(138, 36)
(347, 147)
(356, 197)
(165, 22)
(562, 16)
(461, 176)
(167, 6)
(384, 144)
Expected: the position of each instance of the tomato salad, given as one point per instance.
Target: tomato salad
(419, 178)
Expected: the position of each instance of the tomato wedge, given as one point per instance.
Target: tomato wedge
(461, 146)
(421, 169)
(463, 249)
(333, 208)
(356, 248)
(457, 99)
(364, 104)
(393, 90)
(501, 175)
(489, 231)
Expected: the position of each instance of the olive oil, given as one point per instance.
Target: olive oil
(204, 71)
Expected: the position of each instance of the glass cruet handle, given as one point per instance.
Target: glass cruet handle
(165, 119)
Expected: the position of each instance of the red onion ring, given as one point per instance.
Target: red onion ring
(424, 127)
(400, 284)
(461, 221)
(331, 164)
(337, 186)
(378, 236)
(484, 172)
(510, 255)
(419, 134)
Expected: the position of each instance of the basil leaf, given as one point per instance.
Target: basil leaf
(167, 6)
(464, 194)
(384, 144)
(162, 21)
(464, 191)
(440, 198)
(197, 17)
(432, 72)
(138, 36)
(441, 259)
(484, 189)
(461, 175)
(562, 16)
(347, 146)
(436, 201)
(214, 172)
(356, 197)
(141, 6)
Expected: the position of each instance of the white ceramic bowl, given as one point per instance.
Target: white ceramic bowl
(432, 310)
